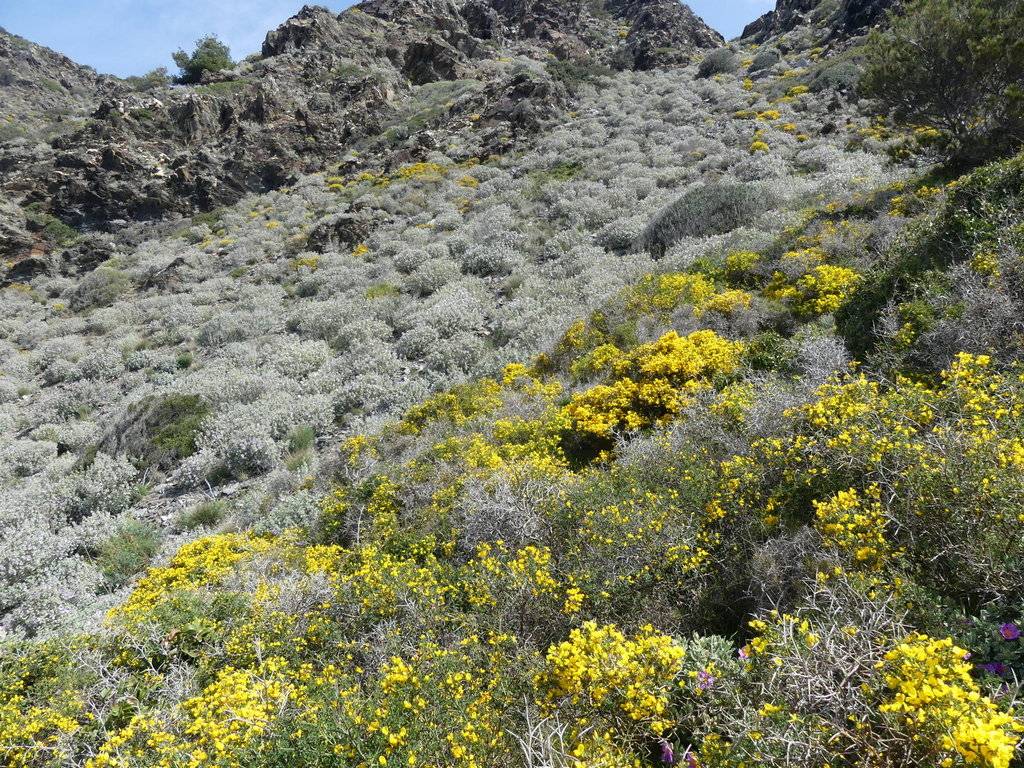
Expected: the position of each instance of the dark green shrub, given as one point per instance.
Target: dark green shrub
(576, 73)
(177, 419)
(956, 66)
(210, 55)
(158, 432)
(765, 58)
(984, 209)
(52, 228)
(711, 209)
(840, 76)
(100, 288)
(719, 61)
(157, 78)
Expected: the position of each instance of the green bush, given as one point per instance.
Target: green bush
(157, 432)
(982, 212)
(206, 515)
(157, 78)
(711, 209)
(838, 76)
(719, 61)
(177, 419)
(765, 58)
(127, 552)
(52, 228)
(300, 446)
(576, 73)
(956, 66)
(100, 288)
(210, 55)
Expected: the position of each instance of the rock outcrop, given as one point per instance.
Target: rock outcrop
(848, 18)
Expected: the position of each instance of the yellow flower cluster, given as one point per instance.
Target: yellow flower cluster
(653, 383)
(663, 294)
(655, 294)
(739, 265)
(820, 291)
(601, 668)
(456, 406)
(37, 735)
(855, 525)
(234, 711)
(216, 727)
(198, 564)
(934, 695)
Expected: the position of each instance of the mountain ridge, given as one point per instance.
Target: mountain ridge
(134, 154)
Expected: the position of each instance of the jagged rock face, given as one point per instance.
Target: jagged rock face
(663, 31)
(312, 26)
(326, 85)
(852, 17)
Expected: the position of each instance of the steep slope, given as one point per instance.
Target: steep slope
(42, 91)
(197, 358)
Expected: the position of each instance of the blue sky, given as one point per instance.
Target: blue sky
(129, 37)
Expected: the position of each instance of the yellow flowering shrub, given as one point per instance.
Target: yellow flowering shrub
(197, 565)
(38, 735)
(820, 291)
(456, 406)
(664, 293)
(725, 303)
(932, 694)
(653, 383)
(935, 454)
(598, 361)
(739, 266)
(601, 669)
(855, 524)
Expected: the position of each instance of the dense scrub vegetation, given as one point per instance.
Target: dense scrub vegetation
(693, 436)
(955, 67)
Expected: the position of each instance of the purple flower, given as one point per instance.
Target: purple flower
(691, 760)
(996, 668)
(667, 755)
(1009, 631)
(743, 653)
(705, 680)
(967, 656)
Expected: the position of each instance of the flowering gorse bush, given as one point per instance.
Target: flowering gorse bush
(933, 691)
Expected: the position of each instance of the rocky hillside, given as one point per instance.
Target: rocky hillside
(540, 383)
(371, 88)
(43, 92)
(823, 20)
